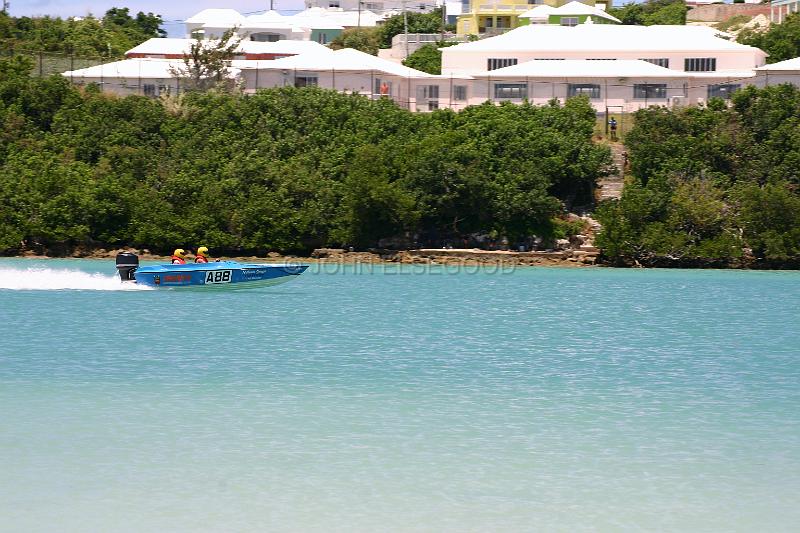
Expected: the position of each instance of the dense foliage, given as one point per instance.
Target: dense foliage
(715, 185)
(109, 36)
(417, 23)
(369, 40)
(781, 41)
(366, 40)
(286, 169)
(428, 57)
(651, 12)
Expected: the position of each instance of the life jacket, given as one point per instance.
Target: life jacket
(201, 259)
(178, 261)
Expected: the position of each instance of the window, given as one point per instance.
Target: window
(459, 92)
(510, 91)
(583, 89)
(427, 92)
(306, 81)
(660, 61)
(382, 87)
(374, 7)
(650, 90)
(569, 21)
(333, 3)
(266, 37)
(433, 105)
(149, 90)
(724, 90)
(496, 63)
(700, 64)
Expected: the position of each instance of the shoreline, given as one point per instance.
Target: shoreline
(425, 256)
(580, 258)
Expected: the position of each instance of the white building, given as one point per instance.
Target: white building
(314, 24)
(272, 26)
(783, 72)
(619, 68)
(780, 9)
(172, 48)
(347, 70)
(212, 23)
(539, 14)
(684, 48)
(139, 76)
(377, 6)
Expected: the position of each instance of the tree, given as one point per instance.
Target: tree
(652, 12)
(770, 220)
(417, 23)
(150, 24)
(110, 36)
(427, 58)
(365, 39)
(781, 41)
(207, 65)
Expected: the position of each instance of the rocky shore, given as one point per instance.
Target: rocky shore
(579, 250)
(582, 256)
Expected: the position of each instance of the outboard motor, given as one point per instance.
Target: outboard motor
(127, 263)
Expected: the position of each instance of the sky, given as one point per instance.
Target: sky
(175, 10)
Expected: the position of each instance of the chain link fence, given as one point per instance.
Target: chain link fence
(48, 63)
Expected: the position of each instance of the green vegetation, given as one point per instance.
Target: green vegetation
(207, 65)
(110, 36)
(428, 58)
(734, 23)
(417, 23)
(652, 12)
(286, 169)
(366, 40)
(781, 41)
(711, 186)
(369, 40)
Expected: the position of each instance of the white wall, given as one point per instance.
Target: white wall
(132, 86)
(376, 6)
(763, 79)
(466, 63)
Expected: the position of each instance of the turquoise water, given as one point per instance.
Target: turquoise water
(392, 400)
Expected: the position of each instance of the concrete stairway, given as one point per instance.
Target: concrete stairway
(610, 187)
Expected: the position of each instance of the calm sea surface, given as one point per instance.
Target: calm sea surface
(391, 400)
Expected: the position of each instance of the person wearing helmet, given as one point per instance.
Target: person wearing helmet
(202, 255)
(179, 257)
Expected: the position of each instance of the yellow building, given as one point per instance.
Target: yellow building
(498, 16)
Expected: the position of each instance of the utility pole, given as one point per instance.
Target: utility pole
(405, 26)
(359, 13)
(270, 5)
(444, 18)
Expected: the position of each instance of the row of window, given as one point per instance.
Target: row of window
(519, 91)
(690, 64)
(641, 91)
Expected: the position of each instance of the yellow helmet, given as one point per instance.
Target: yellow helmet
(202, 251)
(179, 252)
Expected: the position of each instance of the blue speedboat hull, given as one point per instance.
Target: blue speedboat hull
(224, 274)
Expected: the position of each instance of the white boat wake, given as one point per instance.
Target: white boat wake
(51, 279)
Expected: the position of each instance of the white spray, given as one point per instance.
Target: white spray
(51, 279)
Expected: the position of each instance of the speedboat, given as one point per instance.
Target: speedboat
(219, 274)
